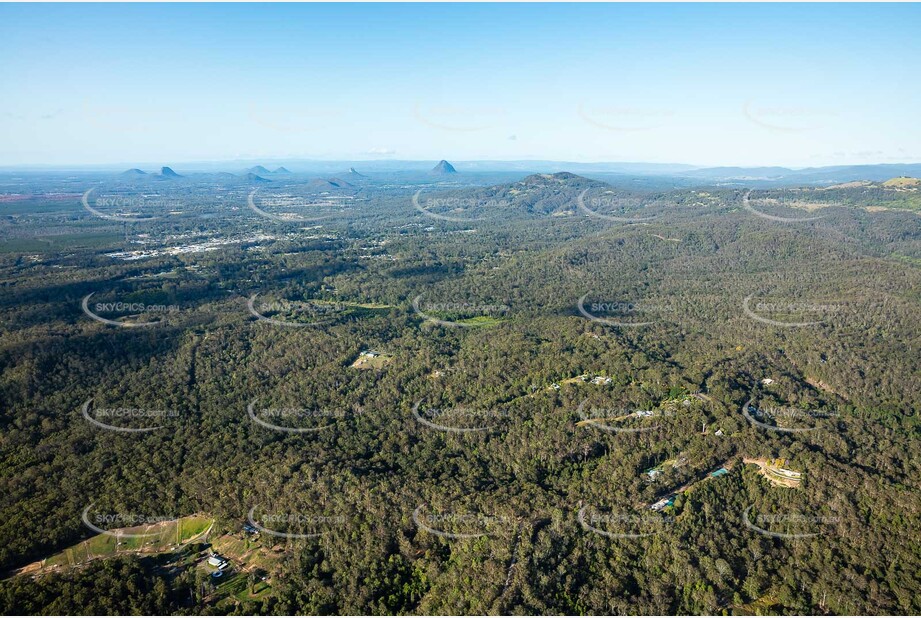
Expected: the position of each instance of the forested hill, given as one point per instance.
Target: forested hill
(538, 195)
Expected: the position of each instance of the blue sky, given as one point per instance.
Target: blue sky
(710, 84)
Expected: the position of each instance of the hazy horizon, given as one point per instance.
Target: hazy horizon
(409, 165)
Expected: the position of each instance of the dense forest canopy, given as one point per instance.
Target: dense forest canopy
(448, 396)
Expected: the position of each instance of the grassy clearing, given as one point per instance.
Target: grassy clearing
(249, 552)
(101, 545)
(165, 536)
(775, 473)
(365, 361)
(190, 527)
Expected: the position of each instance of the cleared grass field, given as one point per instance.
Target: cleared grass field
(163, 537)
(368, 362)
(191, 526)
(251, 553)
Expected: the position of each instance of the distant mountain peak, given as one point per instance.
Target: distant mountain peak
(134, 172)
(282, 170)
(541, 194)
(167, 172)
(563, 179)
(329, 183)
(258, 170)
(443, 167)
(251, 177)
(557, 176)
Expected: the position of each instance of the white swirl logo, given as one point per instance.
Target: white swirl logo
(251, 410)
(419, 519)
(119, 307)
(580, 201)
(313, 308)
(598, 416)
(788, 119)
(293, 518)
(288, 218)
(126, 521)
(124, 412)
(456, 203)
(613, 307)
(788, 308)
(294, 119)
(746, 204)
(785, 518)
(457, 119)
(418, 416)
(114, 201)
(749, 407)
(619, 519)
(627, 119)
(458, 307)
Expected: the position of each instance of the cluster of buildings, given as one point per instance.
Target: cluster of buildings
(219, 563)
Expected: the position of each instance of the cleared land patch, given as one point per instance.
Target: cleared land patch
(161, 537)
(774, 471)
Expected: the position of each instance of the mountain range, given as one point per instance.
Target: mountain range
(652, 174)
